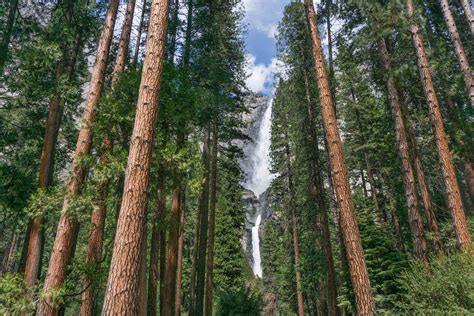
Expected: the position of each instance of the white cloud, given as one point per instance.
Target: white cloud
(261, 76)
(264, 15)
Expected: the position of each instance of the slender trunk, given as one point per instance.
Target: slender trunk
(171, 262)
(203, 224)
(212, 223)
(451, 184)
(34, 240)
(162, 265)
(364, 185)
(94, 243)
(459, 49)
(319, 195)
(139, 35)
(123, 280)
(179, 268)
(67, 227)
(469, 15)
(296, 251)
(100, 208)
(124, 43)
(192, 285)
(153, 272)
(469, 173)
(7, 34)
(350, 229)
(425, 193)
(7, 262)
(173, 32)
(142, 291)
(414, 215)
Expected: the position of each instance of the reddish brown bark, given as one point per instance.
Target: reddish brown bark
(67, 227)
(459, 49)
(123, 282)
(203, 225)
(294, 224)
(139, 35)
(349, 226)
(212, 223)
(318, 196)
(153, 271)
(425, 193)
(414, 216)
(469, 14)
(179, 268)
(100, 208)
(449, 175)
(171, 261)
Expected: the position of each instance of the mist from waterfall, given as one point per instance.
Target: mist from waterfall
(260, 178)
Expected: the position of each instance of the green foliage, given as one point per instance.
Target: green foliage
(14, 295)
(241, 303)
(445, 286)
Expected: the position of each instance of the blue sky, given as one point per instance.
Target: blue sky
(261, 18)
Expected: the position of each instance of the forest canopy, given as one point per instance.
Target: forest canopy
(141, 175)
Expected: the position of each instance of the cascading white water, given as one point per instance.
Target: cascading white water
(257, 261)
(259, 179)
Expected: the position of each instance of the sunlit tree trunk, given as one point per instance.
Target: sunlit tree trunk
(459, 49)
(139, 35)
(319, 195)
(449, 175)
(121, 296)
(349, 226)
(469, 14)
(414, 216)
(68, 226)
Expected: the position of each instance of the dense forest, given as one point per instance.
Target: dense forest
(140, 175)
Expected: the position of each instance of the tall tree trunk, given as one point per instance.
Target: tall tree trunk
(7, 34)
(469, 14)
(451, 184)
(174, 21)
(142, 291)
(153, 272)
(212, 222)
(294, 223)
(94, 244)
(425, 193)
(192, 285)
(179, 268)
(171, 261)
(123, 281)
(414, 216)
(203, 224)
(350, 229)
(459, 49)
(162, 266)
(7, 261)
(469, 173)
(94, 251)
(139, 35)
(319, 195)
(67, 227)
(34, 240)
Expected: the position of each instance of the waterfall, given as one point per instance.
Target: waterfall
(259, 177)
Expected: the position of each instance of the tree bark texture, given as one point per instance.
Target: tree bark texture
(459, 49)
(349, 226)
(466, 4)
(123, 281)
(139, 35)
(68, 227)
(451, 184)
(414, 216)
